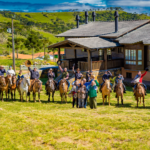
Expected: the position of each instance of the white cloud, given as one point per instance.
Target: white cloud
(138, 3)
(93, 2)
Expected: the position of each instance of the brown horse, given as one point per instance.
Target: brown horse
(139, 92)
(5, 86)
(36, 86)
(119, 91)
(50, 89)
(13, 87)
(106, 89)
(63, 88)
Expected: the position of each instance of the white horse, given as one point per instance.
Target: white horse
(24, 86)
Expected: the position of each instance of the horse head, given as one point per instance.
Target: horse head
(2, 81)
(51, 84)
(107, 82)
(26, 81)
(9, 80)
(14, 79)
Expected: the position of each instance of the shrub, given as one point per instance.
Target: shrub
(46, 57)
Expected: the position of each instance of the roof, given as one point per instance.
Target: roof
(89, 43)
(141, 34)
(103, 29)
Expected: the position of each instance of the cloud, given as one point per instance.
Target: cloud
(139, 3)
(93, 2)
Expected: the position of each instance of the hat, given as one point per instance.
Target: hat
(10, 66)
(119, 74)
(50, 69)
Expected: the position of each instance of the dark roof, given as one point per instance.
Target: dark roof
(103, 29)
(141, 34)
(89, 43)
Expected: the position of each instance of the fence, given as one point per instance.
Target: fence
(23, 67)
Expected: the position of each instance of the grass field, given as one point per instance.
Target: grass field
(25, 126)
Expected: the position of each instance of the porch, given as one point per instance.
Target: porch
(90, 53)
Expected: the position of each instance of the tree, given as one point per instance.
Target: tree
(46, 43)
(19, 44)
(33, 43)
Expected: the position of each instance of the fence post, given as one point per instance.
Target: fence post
(20, 67)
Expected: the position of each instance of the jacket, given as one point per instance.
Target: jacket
(74, 91)
(116, 80)
(92, 91)
(34, 74)
(82, 92)
(20, 76)
(106, 76)
(51, 76)
(97, 84)
(2, 72)
(10, 72)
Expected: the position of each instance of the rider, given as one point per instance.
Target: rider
(107, 75)
(78, 74)
(34, 76)
(138, 78)
(51, 75)
(2, 71)
(119, 77)
(10, 71)
(65, 75)
(20, 76)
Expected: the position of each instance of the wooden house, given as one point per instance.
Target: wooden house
(107, 45)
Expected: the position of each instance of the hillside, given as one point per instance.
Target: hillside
(46, 25)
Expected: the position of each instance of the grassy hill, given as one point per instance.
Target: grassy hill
(47, 25)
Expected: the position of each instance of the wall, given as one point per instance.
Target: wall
(134, 73)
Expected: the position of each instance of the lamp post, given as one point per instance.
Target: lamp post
(13, 44)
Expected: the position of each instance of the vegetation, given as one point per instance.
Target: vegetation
(59, 126)
(46, 25)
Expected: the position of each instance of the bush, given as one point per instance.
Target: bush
(46, 57)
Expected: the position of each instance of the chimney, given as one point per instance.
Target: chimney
(86, 17)
(116, 20)
(93, 15)
(77, 19)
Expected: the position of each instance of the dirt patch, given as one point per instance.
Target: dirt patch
(65, 139)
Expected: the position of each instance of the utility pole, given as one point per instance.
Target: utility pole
(13, 45)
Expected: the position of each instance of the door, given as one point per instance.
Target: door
(145, 56)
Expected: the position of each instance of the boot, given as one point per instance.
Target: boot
(124, 92)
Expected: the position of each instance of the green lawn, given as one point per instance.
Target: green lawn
(25, 126)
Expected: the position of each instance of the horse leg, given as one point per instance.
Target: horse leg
(27, 97)
(118, 100)
(39, 97)
(143, 102)
(137, 101)
(49, 94)
(140, 100)
(15, 94)
(34, 97)
(11, 95)
(109, 99)
(53, 96)
(2, 97)
(66, 97)
(122, 100)
(61, 97)
(103, 99)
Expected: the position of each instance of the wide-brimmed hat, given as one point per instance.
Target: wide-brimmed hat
(51, 69)
(27, 63)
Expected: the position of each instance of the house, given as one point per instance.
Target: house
(99, 46)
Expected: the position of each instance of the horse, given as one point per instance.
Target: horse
(36, 87)
(5, 86)
(106, 89)
(119, 91)
(50, 89)
(13, 87)
(23, 88)
(139, 92)
(63, 88)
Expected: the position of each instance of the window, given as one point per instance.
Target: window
(129, 75)
(108, 54)
(140, 57)
(101, 54)
(120, 50)
(130, 57)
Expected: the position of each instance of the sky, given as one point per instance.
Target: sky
(138, 6)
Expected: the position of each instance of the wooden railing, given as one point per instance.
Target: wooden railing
(96, 65)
